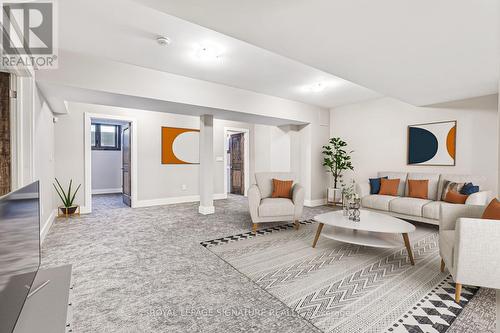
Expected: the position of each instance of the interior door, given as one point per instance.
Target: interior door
(126, 160)
(236, 149)
(5, 144)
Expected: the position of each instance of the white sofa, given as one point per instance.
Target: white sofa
(422, 210)
(264, 208)
(469, 247)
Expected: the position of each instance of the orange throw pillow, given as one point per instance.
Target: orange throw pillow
(282, 188)
(492, 212)
(389, 186)
(418, 188)
(455, 197)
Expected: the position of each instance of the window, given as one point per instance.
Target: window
(105, 137)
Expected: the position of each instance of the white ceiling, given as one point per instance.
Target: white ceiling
(125, 30)
(422, 52)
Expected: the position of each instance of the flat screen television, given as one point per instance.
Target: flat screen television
(19, 251)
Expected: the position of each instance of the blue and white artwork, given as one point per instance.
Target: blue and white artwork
(432, 144)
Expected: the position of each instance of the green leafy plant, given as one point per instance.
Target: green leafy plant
(337, 159)
(67, 197)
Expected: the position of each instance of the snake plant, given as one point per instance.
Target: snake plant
(67, 197)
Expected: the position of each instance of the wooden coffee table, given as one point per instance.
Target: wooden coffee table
(374, 229)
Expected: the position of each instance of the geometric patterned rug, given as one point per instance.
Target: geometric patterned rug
(342, 287)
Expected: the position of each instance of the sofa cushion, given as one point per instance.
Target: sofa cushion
(394, 175)
(469, 189)
(375, 185)
(265, 181)
(455, 197)
(408, 206)
(418, 188)
(477, 180)
(433, 178)
(449, 186)
(446, 242)
(276, 207)
(431, 210)
(389, 186)
(377, 201)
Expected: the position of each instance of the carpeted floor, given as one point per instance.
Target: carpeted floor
(144, 270)
(342, 287)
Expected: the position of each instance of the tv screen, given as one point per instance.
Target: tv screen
(19, 251)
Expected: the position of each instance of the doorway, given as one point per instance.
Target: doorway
(110, 144)
(110, 157)
(236, 161)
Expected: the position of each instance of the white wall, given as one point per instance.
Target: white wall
(155, 180)
(270, 148)
(377, 131)
(106, 171)
(44, 164)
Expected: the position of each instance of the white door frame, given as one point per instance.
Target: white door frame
(246, 156)
(88, 157)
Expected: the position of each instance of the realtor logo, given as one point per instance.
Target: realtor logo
(28, 38)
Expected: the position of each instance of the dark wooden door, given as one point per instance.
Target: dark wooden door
(237, 153)
(126, 161)
(5, 144)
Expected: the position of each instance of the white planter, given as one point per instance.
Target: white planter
(334, 195)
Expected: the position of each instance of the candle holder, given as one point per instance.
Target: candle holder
(356, 212)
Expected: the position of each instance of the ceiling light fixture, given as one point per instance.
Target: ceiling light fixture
(316, 87)
(208, 52)
(163, 41)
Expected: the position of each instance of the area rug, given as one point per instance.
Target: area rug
(342, 287)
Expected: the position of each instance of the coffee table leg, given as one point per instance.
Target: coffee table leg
(408, 248)
(318, 232)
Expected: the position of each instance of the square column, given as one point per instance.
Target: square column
(206, 165)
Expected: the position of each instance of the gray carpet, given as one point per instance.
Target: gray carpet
(144, 270)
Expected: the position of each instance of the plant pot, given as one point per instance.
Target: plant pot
(68, 210)
(334, 195)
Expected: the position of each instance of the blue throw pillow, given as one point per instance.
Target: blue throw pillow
(375, 185)
(469, 189)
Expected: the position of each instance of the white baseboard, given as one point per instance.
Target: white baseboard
(315, 203)
(175, 200)
(47, 225)
(206, 210)
(107, 191)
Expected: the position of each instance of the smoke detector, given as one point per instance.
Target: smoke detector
(163, 41)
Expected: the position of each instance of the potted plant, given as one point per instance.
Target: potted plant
(337, 159)
(67, 197)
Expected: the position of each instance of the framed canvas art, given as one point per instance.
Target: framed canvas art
(180, 145)
(432, 143)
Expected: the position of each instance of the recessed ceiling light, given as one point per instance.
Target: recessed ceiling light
(163, 41)
(208, 52)
(316, 87)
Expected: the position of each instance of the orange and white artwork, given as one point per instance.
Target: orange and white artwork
(180, 145)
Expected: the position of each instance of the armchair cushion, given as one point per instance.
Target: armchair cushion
(265, 181)
(492, 212)
(282, 188)
(276, 207)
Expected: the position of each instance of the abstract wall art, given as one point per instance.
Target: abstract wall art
(432, 143)
(180, 145)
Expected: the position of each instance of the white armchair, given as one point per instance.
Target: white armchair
(469, 247)
(264, 208)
